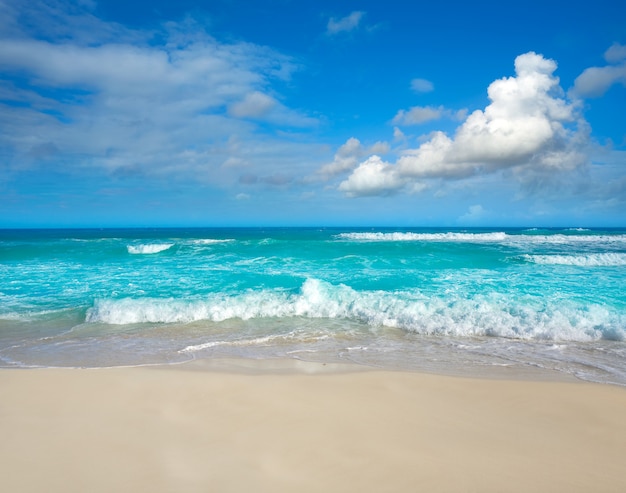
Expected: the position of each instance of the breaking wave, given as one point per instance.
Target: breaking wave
(149, 248)
(495, 314)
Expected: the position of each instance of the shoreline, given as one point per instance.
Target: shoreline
(285, 426)
(291, 365)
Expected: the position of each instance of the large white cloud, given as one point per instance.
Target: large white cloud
(527, 127)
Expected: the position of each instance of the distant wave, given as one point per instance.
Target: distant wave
(211, 241)
(494, 237)
(590, 260)
(561, 239)
(149, 248)
(464, 237)
(494, 314)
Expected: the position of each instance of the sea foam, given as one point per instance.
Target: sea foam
(493, 237)
(460, 237)
(211, 241)
(149, 248)
(590, 260)
(534, 318)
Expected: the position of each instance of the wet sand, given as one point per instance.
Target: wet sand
(284, 427)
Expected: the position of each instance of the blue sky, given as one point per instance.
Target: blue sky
(280, 112)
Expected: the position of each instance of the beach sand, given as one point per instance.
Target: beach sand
(294, 427)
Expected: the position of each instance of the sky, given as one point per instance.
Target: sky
(327, 113)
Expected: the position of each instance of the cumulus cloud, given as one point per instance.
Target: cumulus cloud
(344, 24)
(422, 85)
(528, 127)
(348, 155)
(373, 177)
(595, 81)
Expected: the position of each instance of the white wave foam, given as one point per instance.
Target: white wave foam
(561, 239)
(149, 248)
(462, 237)
(590, 260)
(256, 341)
(482, 315)
(494, 237)
(211, 241)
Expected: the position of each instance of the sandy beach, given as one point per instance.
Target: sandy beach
(288, 426)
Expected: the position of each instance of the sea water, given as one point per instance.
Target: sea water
(453, 300)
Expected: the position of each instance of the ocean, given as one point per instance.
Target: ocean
(452, 301)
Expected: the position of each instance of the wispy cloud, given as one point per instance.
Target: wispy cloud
(344, 24)
(114, 98)
(417, 115)
(253, 105)
(422, 85)
(474, 214)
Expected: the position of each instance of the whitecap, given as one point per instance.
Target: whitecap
(211, 241)
(589, 260)
(443, 237)
(148, 248)
(493, 237)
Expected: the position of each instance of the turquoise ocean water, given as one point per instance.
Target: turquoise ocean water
(452, 301)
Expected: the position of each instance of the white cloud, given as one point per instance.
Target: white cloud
(526, 127)
(595, 81)
(254, 105)
(616, 53)
(112, 98)
(422, 85)
(418, 115)
(373, 177)
(345, 24)
(398, 135)
(378, 148)
(348, 155)
(70, 20)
